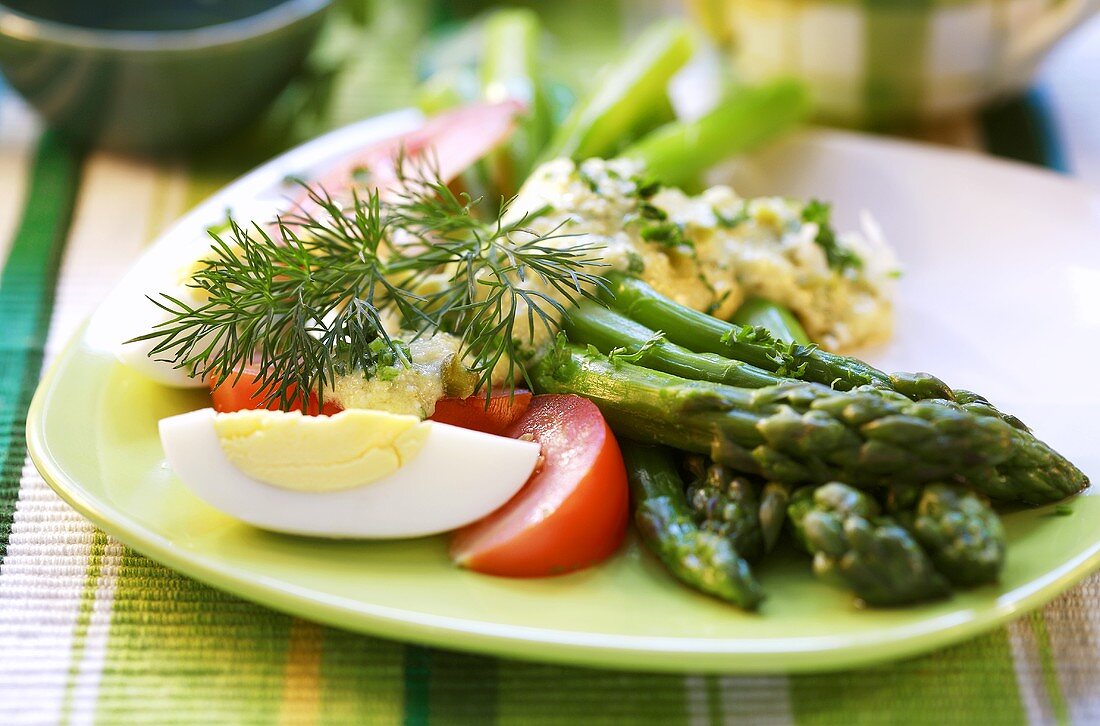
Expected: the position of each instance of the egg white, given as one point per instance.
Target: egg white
(458, 477)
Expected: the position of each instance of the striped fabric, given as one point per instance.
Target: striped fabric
(91, 631)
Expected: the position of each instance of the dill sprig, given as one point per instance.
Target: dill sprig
(307, 299)
(500, 281)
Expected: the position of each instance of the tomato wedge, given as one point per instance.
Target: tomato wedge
(504, 409)
(573, 511)
(243, 392)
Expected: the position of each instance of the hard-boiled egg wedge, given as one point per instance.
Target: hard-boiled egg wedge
(141, 315)
(357, 474)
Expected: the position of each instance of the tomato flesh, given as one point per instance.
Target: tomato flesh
(573, 511)
(239, 393)
(503, 410)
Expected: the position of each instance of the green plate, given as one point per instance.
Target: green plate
(92, 433)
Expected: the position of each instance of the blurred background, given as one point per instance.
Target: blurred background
(201, 77)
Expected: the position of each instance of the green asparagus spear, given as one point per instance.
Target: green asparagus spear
(772, 511)
(695, 465)
(703, 560)
(980, 405)
(957, 527)
(873, 555)
(590, 323)
(776, 319)
(704, 333)
(509, 70)
(766, 342)
(728, 505)
(679, 151)
(803, 432)
(784, 326)
(835, 498)
(624, 95)
(774, 498)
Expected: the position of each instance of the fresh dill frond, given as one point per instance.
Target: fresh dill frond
(306, 299)
(500, 281)
(299, 307)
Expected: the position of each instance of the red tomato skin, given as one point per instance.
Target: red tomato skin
(243, 393)
(587, 489)
(505, 408)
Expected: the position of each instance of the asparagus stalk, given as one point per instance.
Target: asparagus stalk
(763, 344)
(783, 325)
(769, 516)
(590, 323)
(804, 501)
(874, 556)
(704, 333)
(957, 527)
(801, 432)
(728, 505)
(624, 96)
(774, 498)
(703, 560)
(509, 70)
(679, 151)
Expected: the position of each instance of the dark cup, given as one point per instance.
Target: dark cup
(134, 82)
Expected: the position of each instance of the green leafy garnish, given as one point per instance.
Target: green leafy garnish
(306, 299)
(739, 218)
(622, 354)
(790, 359)
(659, 229)
(645, 187)
(589, 180)
(666, 234)
(840, 257)
(635, 264)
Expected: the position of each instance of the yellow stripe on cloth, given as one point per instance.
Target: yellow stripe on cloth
(301, 703)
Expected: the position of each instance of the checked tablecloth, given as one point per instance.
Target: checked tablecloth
(91, 631)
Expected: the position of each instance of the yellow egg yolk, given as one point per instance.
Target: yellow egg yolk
(319, 453)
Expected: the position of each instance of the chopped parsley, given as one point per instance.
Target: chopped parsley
(666, 234)
(589, 180)
(651, 211)
(840, 258)
(646, 187)
(635, 265)
(661, 229)
(736, 220)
